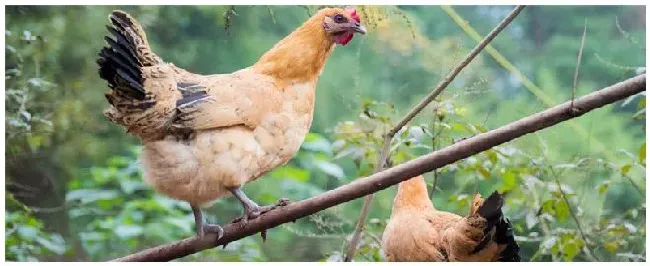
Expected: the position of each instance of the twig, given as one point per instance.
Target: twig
(638, 189)
(449, 78)
(591, 253)
(395, 175)
(435, 143)
(415, 111)
(227, 18)
(526, 82)
(272, 14)
(575, 73)
(352, 246)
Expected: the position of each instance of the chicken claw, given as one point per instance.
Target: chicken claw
(251, 209)
(202, 227)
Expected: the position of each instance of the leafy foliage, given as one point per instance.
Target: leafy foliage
(74, 185)
(25, 239)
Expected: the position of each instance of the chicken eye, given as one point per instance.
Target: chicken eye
(339, 18)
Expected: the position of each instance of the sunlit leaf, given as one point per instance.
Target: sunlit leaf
(492, 156)
(571, 248)
(484, 172)
(611, 246)
(562, 210)
(641, 153)
(625, 169)
(602, 188)
(549, 206)
(509, 181)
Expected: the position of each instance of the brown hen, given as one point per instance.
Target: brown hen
(418, 232)
(205, 136)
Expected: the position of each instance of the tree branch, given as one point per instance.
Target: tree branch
(397, 174)
(385, 154)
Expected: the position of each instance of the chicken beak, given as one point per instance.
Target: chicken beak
(359, 28)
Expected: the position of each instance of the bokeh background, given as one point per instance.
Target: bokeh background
(576, 192)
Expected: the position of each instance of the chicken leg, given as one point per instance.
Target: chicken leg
(202, 227)
(251, 209)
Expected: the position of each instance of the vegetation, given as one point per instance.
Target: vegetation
(575, 192)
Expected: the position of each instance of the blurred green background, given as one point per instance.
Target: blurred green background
(576, 192)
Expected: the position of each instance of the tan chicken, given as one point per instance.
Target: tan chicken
(204, 136)
(418, 232)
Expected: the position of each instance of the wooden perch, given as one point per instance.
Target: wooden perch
(397, 174)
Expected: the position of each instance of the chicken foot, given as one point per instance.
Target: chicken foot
(251, 209)
(202, 227)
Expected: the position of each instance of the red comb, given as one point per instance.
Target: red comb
(353, 14)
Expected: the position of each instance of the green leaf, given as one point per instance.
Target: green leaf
(90, 195)
(625, 169)
(34, 142)
(330, 168)
(602, 188)
(549, 206)
(129, 186)
(509, 180)
(27, 232)
(126, 231)
(58, 247)
(294, 173)
(611, 246)
(492, 156)
(571, 248)
(317, 143)
(481, 128)
(562, 210)
(184, 224)
(484, 172)
(641, 153)
(641, 103)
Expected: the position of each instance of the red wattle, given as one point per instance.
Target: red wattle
(343, 38)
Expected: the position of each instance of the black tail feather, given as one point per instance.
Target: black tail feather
(124, 55)
(503, 232)
(118, 63)
(491, 207)
(506, 235)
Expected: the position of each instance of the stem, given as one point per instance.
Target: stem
(575, 73)
(591, 253)
(383, 155)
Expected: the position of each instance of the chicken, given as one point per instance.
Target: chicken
(418, 232)
(206, 136)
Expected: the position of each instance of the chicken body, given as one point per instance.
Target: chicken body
(418, 232)
(205, 136)
(205, 166)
